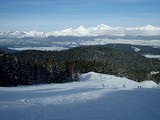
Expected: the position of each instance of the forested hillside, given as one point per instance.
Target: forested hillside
(34, 67)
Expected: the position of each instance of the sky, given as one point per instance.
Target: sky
(51, 15)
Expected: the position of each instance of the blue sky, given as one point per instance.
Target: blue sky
(50, 15)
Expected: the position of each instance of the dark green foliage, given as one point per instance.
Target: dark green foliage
(18, 69)
(156, 77)
(65, 66)
(12, 72)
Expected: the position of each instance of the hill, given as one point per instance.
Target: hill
(34, 67)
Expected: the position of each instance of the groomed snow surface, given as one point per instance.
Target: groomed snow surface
(95, 97)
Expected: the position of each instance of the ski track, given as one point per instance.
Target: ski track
(95, 97)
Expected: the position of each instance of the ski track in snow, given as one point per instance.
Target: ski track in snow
(95, 97)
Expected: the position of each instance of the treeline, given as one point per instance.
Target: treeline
(20, 70)
(34, 67)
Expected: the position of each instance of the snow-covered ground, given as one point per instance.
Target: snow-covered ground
(54, 48)
(153, 43)
(66, 45)
(152, 56)
(95, 97)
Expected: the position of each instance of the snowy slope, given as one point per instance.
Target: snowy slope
(95, 97)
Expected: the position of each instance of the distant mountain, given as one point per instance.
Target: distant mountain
(99, 30)
(21, 34)
(100, 35)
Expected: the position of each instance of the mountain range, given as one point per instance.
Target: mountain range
(82, 31)
(147, 36)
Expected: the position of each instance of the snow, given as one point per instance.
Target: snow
(152, 56)
(34, 33)
(61, 45)
(101, 29)
(95, 97)
(21, 34)
(154, 72)
(147, 84)
(39, 48)
(82, 31)
(103, 41)
(136, 49)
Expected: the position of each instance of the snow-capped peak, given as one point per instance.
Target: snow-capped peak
(82, 31)
(103, 26)
(68, 30)
(16, 34)
(101, 29)
(81, 28)
(150, 28)
(35, 33)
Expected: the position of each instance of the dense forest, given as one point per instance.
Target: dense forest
(36, 67)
